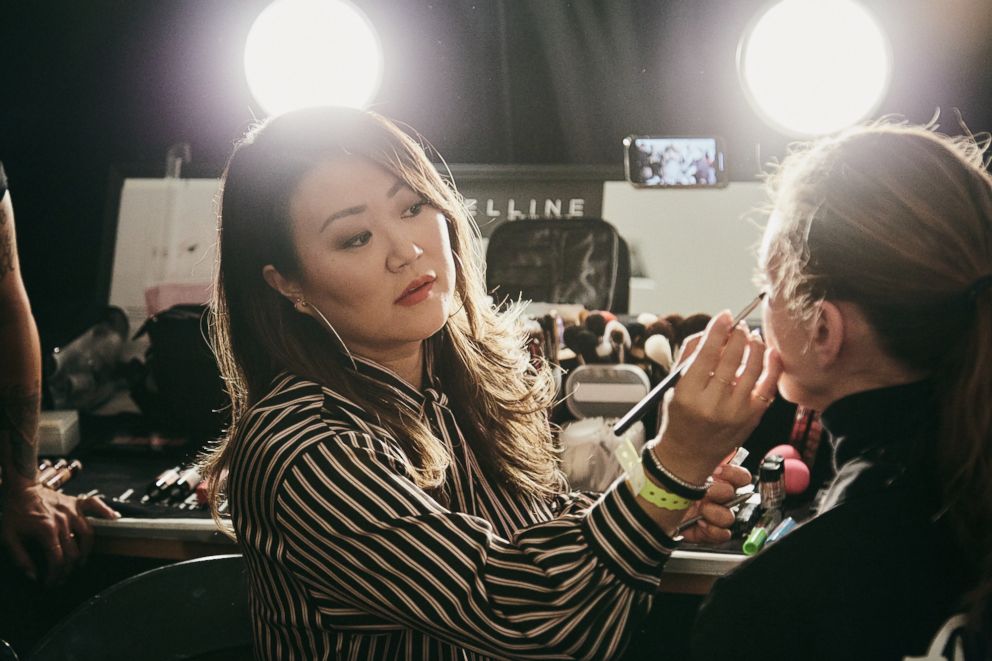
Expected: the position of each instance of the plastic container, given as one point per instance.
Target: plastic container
(83, 374)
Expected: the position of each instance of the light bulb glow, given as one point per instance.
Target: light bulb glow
(302, 53)
(815, 66)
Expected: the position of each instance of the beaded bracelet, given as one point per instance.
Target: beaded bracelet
(654, 469)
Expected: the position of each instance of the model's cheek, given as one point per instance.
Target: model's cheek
(768, 331)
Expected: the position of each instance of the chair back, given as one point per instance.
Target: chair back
(197, 609)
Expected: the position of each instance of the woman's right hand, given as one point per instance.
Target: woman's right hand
(729, 382)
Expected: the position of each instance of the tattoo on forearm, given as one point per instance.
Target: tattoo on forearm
(19, 412)
(6, 246)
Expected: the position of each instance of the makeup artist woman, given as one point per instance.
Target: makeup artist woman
(392, 479)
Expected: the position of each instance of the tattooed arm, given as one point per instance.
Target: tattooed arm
(35, 519)
(20, 371)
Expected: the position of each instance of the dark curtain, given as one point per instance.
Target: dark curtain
(89, 85)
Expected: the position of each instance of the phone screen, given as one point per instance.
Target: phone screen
(674, 161)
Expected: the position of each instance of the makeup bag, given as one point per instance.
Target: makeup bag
(583, 261)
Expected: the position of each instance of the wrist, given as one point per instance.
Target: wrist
(16, 489)
(688, 464)
(659, 496)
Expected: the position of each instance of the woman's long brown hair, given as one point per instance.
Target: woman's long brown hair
(898, 220)
(500, 397)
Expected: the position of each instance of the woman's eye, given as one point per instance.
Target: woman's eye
(415, 209)
(358, 240)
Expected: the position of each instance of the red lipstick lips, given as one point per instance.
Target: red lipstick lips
(416, 291)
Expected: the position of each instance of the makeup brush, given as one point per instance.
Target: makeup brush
(659, 350)
(652, 398)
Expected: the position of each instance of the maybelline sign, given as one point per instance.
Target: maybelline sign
(546, 208)
(495, 194)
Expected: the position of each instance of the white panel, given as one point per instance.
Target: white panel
(696, 246)
(166, 235)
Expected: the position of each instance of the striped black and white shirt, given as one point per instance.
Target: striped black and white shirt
(348, 559)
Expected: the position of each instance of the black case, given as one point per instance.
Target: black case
(568, 260)
(178, 387)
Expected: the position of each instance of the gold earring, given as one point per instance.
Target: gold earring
(300, 303)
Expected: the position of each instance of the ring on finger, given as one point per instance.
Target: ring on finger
(765, 399)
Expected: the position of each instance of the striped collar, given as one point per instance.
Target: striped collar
(408, 394)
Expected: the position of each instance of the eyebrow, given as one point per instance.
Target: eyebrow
(350, 211)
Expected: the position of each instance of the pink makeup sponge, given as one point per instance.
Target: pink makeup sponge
(796, 476)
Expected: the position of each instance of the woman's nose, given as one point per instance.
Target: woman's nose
(403, 253)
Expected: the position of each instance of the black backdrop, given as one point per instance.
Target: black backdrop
(87, 85)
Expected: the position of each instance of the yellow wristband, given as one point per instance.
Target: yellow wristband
(663, 499)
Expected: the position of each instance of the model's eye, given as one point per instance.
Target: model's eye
(415, 209)
(358, 240)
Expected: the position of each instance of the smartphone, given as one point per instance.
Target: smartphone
(654, 161)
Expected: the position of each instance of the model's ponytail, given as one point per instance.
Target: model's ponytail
(964, 453)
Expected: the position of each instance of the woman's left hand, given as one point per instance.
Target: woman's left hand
(714, 527)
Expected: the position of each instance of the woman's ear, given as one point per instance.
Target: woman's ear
(828, 334)
(285, 286)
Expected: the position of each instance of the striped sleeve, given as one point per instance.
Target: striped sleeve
(358, 531)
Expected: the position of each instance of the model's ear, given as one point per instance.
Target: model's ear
(828, 333)
(285, 286)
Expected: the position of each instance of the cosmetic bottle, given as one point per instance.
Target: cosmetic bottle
(159, 489)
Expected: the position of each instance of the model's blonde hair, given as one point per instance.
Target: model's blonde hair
(500, 397)
(897, 219)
